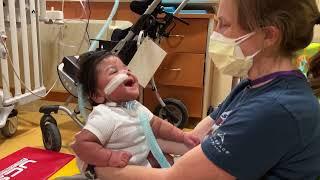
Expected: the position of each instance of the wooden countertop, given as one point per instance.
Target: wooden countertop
(196, 16)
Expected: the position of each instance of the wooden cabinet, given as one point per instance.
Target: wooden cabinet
(181, 69)
(181, 75)
(188, 38)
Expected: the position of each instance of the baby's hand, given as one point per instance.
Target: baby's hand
(119, 159)
(190, 140)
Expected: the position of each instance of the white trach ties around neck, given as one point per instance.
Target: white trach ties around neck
(115, 82)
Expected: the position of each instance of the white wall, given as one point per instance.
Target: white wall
(58, 41)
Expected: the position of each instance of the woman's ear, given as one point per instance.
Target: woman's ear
(272, 36)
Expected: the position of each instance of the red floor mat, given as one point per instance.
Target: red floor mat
(32, 163)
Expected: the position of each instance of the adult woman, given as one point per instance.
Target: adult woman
(269, 124)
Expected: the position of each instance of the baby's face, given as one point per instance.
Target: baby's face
(107, 69)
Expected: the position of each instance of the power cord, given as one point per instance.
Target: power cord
(86, 33)
(16, 74)
(88, 21)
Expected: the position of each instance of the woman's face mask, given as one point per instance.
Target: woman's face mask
(228, 56)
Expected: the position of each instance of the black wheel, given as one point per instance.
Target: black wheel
(50, 134)
(175, 112)
(11, 125)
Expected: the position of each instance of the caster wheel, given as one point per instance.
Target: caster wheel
(177, 115)
(50, 134)
(11, 125)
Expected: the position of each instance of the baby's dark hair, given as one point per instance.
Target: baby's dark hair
(88, 67)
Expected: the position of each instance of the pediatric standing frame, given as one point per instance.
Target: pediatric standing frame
(124, 44)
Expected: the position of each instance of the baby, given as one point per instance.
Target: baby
(112, 135)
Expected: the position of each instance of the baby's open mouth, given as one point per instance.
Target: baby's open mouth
(129, 83)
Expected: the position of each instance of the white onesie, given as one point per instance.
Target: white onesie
(118, 129)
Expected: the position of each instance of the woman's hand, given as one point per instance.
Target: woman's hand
(203, 128)
(190, 140)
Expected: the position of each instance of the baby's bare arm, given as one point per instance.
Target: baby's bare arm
(164, 130)
(89, 149)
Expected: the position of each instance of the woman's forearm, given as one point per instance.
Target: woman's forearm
(194, 165)
(131, 173)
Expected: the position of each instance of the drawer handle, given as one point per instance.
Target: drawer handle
(172, 69)
(176, 35)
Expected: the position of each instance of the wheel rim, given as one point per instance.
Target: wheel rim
(12, 125)
(174, 110)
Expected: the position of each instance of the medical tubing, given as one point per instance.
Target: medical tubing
(81, 102)
(152, 142)
(106, 25)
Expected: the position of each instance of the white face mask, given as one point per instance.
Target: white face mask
(227, 55)
(115, 82)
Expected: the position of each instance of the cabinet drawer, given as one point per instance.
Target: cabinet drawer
(191, 97)
(184, 38)
(181, 69)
